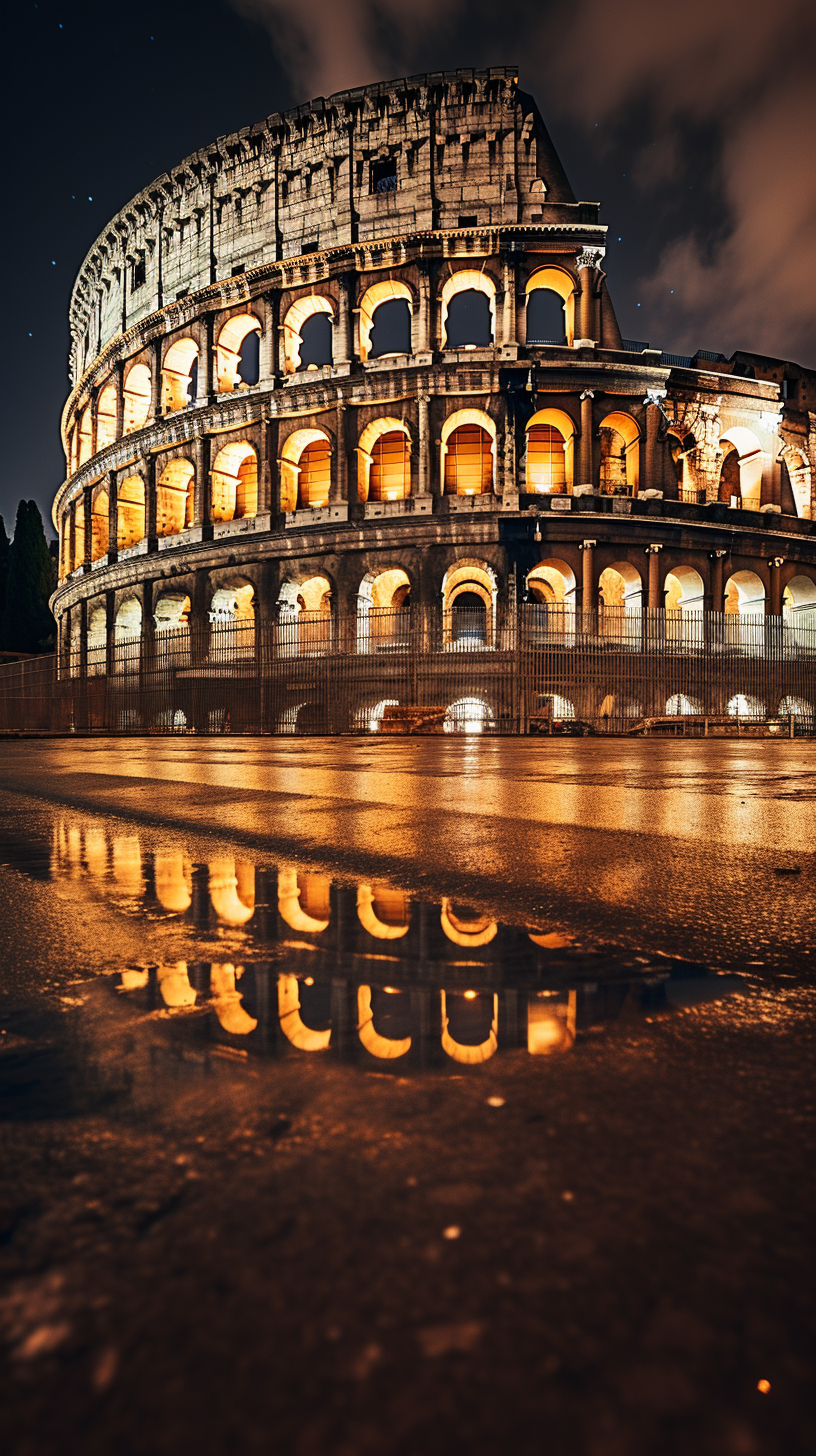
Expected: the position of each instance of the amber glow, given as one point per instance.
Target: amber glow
(290, 888)
(99, 524)
(296, 317)
(562, 283)
(291, 1022)
(178, 362)
(235, 482)
(620, 455)
(130, 511)
(386, 1048)
(550, 440)
(384, 461)
(305, 470)
(464, 1052)
(175, 498)
(232, 890)
(106, 417)
(228, 350)
(137, 398)
(227, 1000)
(468, 458)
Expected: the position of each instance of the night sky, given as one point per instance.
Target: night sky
(694, 126)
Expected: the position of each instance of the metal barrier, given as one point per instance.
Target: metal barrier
(539, 667)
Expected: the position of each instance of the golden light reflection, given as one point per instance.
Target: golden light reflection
(227, 1000)
(292, 1024)
(550, 1025)
(553, 940)
(127, 863)
(173, 880)
(461, 1051)
(232, 890)
(134, 980)
(369, 902)
(384, 1047)
(174, 984)
(96, 850)
(469, 930)
(290, 889)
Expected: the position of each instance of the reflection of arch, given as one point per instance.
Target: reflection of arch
(230, 364)
(289, 893)
(175, 498)
(305, 470)
(470, 930)
(130, 512)
(174, 984)
(173, 880)
(100, 509)
(463, 323)
(137, 392)
(292, 1024)
(745, 595)
(227, 1001)
(550, 450)
(385, 1047)
(106, 417)
(232, 890)
(554, 281)
(370, 921)
(384, 461)
(378, 293)
(235, 482)
(296, 317)
(620, 455)
(461, 1052)
(468, 453)
(741, 473)
(176, 374)
(550, 1025)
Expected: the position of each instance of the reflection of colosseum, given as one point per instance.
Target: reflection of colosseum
(358, 364)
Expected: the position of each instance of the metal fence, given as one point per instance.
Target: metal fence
(537, 667)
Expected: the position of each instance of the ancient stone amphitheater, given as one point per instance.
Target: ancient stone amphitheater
(348, 387)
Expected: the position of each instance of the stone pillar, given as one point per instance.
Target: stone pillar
(339, 486)
(654, 599)
(588, 603)
(586, 459)
(421, 321)
(205, 361)
(83, 638)
(150, 502)
(649, 474)
(119, 381)
(342, 352)
(587, 264)
(113, 515)
(717, 559)
(509, 309)
(155, 381)
(776, 563)
(423, 445)
(94, 420)
(87, 545)
(268, 362)
(110, 631)
(203, 494)
(265, 469)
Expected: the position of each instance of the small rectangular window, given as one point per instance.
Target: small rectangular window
(238, 269)
(309, 248)
(139, 273)
(469, 221)
(182, 293)
(384, 175)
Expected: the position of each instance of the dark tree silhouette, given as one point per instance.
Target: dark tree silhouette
(27, 623)
(4, 555)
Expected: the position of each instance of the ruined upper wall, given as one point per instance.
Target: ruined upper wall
(466, 148)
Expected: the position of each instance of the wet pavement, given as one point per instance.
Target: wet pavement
(369, 1097)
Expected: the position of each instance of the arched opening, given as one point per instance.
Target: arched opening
(550, 307)
(172, 622)
(384, 1021)
(314, 615)
(797, 468)
(130, 512)
(85, 436)
(468, 715)
(232, 623)
(173, 881)
(106, 417)
(175, 498)
(681, 444)
(226, 1000)
(620, 455)
(745, 595)
(237, 353)
(470, 1024)
(384, 461)
(78, 549)
(679, 705)
(549, 602)
(179, 385)
(684, 599)
(306, 471)
(97, 641)
(743, 705)
(127, 636)
(468, 453)
(385, 320)
(383, 611)
(799, 611)
(235, 482)
(465, 926)
(798, 709)
(620, 597)
(741, 471)
(66, 545)
(307, 334)
(469, 605)
(468, 310)
(304, 901)
(137, 392)
(232, 890)
(550, 442)
(385, 913)
(305, 1037)
(100, 511)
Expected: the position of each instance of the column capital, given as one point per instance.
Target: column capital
(655, 396)
(653, 549)
(586, 545)
(718, 554)
(590, 258)
(777, 561)
(588, 394)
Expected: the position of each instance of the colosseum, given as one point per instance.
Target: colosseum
(354, 442)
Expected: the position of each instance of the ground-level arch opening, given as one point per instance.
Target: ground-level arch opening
(127, 635)
(383, 610)
(469, 593)
(172, 623)
(799, 610)
(620, 598)
(305, 616)
(469, 715)
(232, 622)
(97, 641)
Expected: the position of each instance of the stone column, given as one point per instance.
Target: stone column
(205, 361)
(421, 321)
(119, 381)
(342, 352)
(113, 515)
(265, 469)
(654, 600)
(150, 502)
(203, 494)
(94, 420)
(509, 310)
(155, 382)
(587, 263)
(87, 548)
(423, 445)
(586, 459)
(588, 583)
(776, 563)
(339, 485)
(268, 363)
(717, 559)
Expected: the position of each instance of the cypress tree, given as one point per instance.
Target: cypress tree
(28, 625)
(4, 554)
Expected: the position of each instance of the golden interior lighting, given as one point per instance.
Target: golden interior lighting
(235, 482)
(469, 462)
(137, 398)
(546, 461)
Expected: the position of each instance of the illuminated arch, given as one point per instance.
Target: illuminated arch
(621, 586)
(175, 498)
(106, 417)
(744, 443)
(384, 460)
(369, 919)
(85, 436)
(550, 1025)
(680, 705)
(685, 590)
(745, 595)
(291, 1022)
(228, 351)
(234, 489)
(799, 607)
(127, 634)
(559, 281)
(296, 316)
(137, 396)
(232, 890)
(620, 454)
(382, 604)
(378, 293)
(385, 1047)
(460, 1051)
(743, 705)
(290, 908)
(800, 476)
(479, 930)
(232, 622)
(177, 374)
(682, 444)
(305, 466)
(227, 1000)
(97, 641)
(100, 512)
(550, 453)
(130, 512)
(553, 582)
(468, 280)
(468, 453)
(173, 881)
